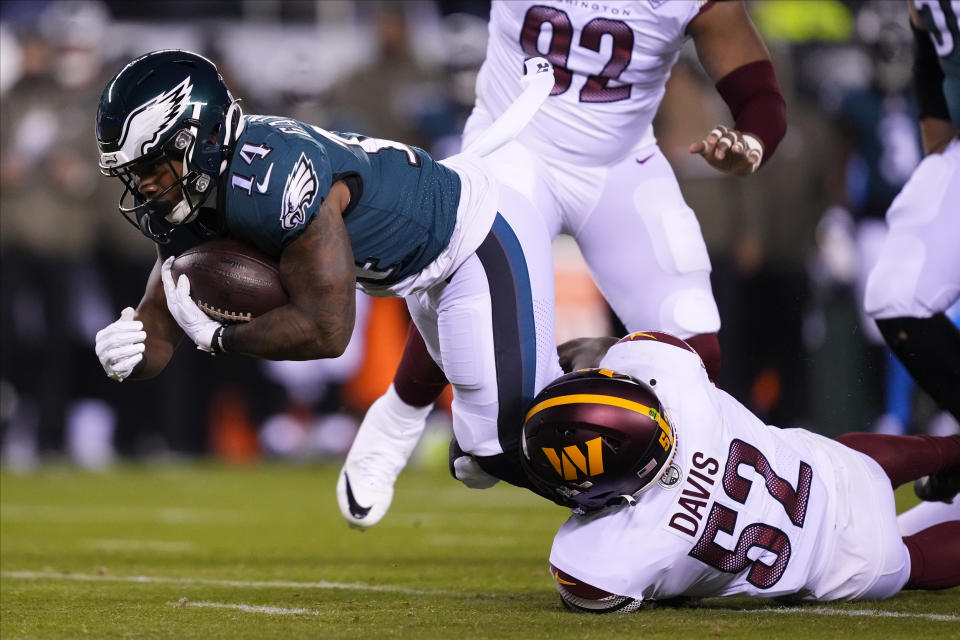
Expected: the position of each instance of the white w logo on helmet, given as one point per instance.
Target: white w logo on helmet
(147, 123)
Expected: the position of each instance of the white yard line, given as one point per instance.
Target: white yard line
(247, 584)
(869, 613)
(249, 608)
(360, 586)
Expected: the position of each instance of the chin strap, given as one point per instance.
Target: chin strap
(229, 135)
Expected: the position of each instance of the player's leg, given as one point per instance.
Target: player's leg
(934, 557)
(930, 350)
(388, 434)
(906, 458)
(494, 336)
(646, 252)
(918, 277)
(927, 514)
(418, 381)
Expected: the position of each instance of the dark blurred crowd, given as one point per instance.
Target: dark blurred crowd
(790, 248)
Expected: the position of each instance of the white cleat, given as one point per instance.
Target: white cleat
(381, 449)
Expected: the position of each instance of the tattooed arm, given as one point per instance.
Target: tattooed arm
(317, 270)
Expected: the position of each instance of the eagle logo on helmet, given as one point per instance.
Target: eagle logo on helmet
(149, 121)
(299, 192)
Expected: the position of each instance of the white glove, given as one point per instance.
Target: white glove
(195, 323)
(467, 470)
(120, 345)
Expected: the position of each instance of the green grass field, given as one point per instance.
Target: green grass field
(206, 551)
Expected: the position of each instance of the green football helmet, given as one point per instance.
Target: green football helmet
(166, 106)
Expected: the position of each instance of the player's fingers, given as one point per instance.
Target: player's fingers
(169, 286)
(117, 341)
(121, 370)
(166, 269)
(128, 363)
(126, 351)
(126, 326)
(726, 142)
(183, 285)
(119, 326)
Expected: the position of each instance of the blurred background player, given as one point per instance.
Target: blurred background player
(878, 148)
(917, 276)
(650, 454)
(591, 163)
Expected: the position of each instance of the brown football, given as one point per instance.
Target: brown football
(230, 280)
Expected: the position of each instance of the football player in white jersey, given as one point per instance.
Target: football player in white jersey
(590, 161)
(651, 455)
(917, 277)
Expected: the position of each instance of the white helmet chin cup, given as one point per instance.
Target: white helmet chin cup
(181, 213)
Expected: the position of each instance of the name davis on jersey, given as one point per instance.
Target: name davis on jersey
(695, 497)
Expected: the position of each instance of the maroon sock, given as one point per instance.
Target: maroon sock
(707, 346)
(418, 380)
(934, 557)
(906, 458)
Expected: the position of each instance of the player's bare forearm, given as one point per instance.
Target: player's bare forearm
(737, 60)
(937, 134)
(163, 333)
(726, 39)
(318, 273)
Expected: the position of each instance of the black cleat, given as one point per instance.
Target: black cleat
(939, 487)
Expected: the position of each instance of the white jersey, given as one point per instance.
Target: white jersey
(611, 63)
(744, 509)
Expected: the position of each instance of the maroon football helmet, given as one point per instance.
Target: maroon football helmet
(594, 438)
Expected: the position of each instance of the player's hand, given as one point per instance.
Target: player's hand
(467, 470)
(583, 353)
(120, 345)
(730, 150)
(195, 323)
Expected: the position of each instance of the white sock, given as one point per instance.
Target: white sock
(403, 411)
(927, 514)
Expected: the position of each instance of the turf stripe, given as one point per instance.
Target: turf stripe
(250, 584)
(249, 608)
(360, 586)
(872, 613)
(138, 545)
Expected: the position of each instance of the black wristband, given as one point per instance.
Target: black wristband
(216, 343)
(227, 338)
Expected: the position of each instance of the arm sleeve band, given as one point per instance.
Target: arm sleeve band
(927, 78)
(584, 598)
(753, 95)
(226, 338)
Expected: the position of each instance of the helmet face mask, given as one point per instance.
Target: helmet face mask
(596, 438)
(167, 106)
